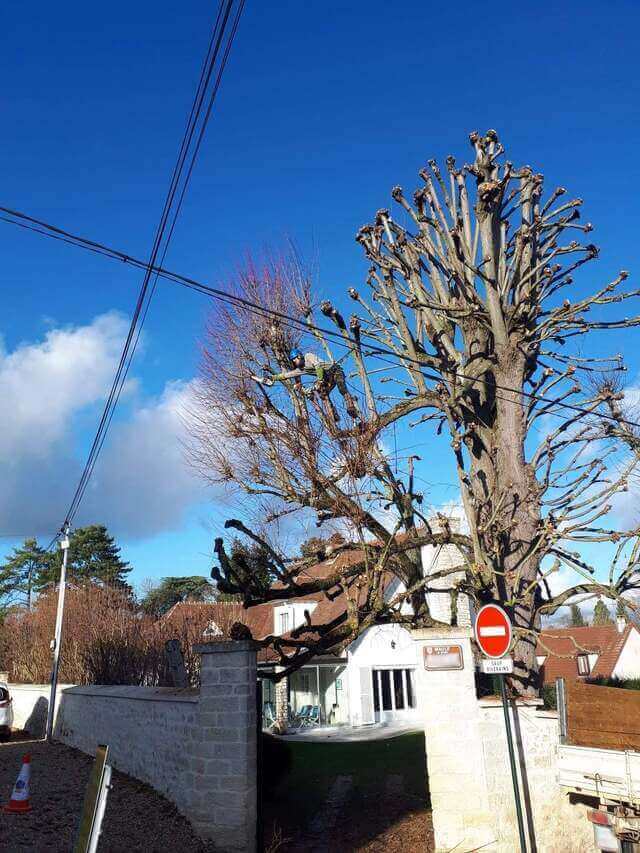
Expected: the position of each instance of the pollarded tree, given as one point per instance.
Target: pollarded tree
(470, 314)
(621, 610)
(253, 560)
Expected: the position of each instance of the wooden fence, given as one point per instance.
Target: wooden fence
(602, 717)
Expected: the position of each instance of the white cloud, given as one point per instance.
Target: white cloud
(142, 483)
(41, 384)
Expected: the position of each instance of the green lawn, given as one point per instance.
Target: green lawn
(299, 774)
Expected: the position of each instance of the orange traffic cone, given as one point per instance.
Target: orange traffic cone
(19, 801)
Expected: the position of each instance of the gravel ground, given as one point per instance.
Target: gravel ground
(137, 817)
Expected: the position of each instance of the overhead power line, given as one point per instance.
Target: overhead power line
(382, 353)
(219, 47)
(148, 293)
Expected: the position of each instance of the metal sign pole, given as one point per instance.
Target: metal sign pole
(512, 761)
(259, 770)
(57, 640)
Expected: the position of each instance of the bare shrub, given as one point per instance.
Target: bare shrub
(106, 640)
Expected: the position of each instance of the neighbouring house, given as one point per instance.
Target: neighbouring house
(373, 678)
(599, 651)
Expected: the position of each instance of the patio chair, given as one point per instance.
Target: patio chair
(314, 717)
(300, 719)
(268, 716)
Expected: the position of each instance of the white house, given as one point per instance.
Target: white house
(589, 652)
(372, 679)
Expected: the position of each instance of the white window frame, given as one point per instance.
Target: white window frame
(377, 674)
(284, 619)
(583, 661)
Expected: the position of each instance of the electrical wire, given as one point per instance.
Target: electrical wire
(45, 229)
(212, 54)
(177, 188)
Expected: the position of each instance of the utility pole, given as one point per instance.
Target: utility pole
(57, 640)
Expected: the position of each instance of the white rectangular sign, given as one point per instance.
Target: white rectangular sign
(501, 666)
(493, 631)
(443, 657)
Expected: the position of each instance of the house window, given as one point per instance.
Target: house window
(411, 699)
(398, 692)
(385, 683)
(583, 665)
(284, 622)
(393, 689)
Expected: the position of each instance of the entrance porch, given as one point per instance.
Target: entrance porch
(314, 695)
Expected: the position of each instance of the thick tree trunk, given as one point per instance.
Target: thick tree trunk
(508, 519)
(520, 522)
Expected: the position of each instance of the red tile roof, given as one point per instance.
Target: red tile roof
(259, 618)
(608, 658)
(561, 647)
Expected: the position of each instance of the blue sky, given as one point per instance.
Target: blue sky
(323, 108)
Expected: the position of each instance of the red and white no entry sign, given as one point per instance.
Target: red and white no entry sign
(493, 631)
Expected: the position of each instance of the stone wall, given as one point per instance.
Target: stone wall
(197, 748)
(151, 732)
(468, 765)
(457, 780)
(30, 705)
(282, 702)
(556, 824)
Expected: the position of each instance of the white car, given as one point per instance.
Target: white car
(6, 712)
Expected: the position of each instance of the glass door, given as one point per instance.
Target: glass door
(393, 693)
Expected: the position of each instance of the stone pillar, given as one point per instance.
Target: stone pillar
(457, 781)
(468, 764)
(282, 703)
(221, 782)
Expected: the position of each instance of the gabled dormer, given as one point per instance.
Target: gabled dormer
(290, 615)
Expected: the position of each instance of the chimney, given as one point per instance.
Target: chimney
(621, 624)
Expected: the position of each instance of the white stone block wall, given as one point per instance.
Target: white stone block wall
(282, 701)
(199, 749)
(468, 765)
(149, 731)
(222, 776)
(30, 705)
(457, 783)
(557, 825)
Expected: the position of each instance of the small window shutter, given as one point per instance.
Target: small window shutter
(366, 695)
